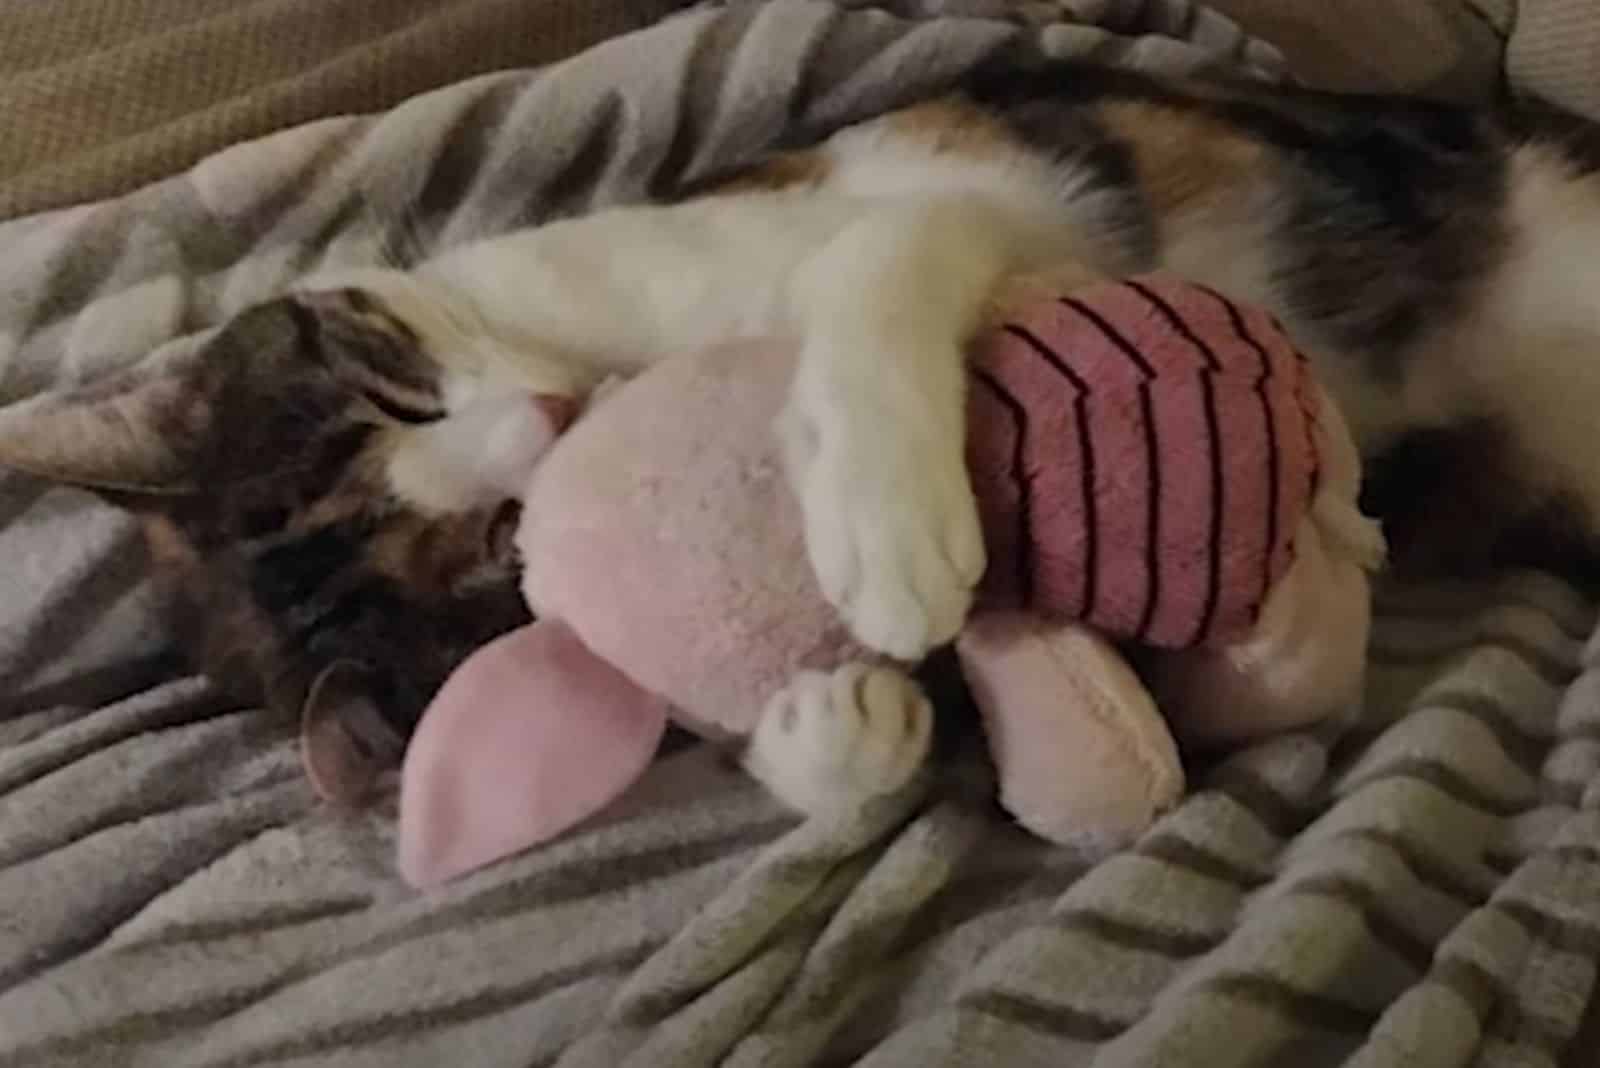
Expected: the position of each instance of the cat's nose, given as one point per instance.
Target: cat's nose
(560, 409)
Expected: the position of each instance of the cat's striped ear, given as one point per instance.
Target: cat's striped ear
(369, 349)
(107, 436)
(239, 404)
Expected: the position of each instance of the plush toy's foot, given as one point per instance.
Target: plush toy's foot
(834, 740)
(1083, 756)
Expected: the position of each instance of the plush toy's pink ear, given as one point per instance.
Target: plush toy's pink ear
(531, 734)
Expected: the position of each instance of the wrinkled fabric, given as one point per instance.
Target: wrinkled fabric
(1418, 890)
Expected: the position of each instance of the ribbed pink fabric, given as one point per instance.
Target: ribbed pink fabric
(1143, 452)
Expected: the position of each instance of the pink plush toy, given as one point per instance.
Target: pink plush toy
(1154, 466)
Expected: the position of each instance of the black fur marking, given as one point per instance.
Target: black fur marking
(1076, 141)
(1389, 225)
(401, 412)
(285, 578)
(1394, 206)
(1575, 137)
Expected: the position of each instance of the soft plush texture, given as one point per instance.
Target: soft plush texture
(670, 500)
(1144, 452)
(1153, 465)
(662, 528)
(1415, 890)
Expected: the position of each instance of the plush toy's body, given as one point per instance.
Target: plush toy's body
(1145, 477)
(1145, 457)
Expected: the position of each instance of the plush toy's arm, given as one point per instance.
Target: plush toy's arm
(531, 734)
(1083, 756)
(1303, 662)
(1346, 533)
(1305, 659)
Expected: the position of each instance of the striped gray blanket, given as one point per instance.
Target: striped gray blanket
(1422, 888)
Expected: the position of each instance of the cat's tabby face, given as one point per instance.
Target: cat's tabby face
(332, 541)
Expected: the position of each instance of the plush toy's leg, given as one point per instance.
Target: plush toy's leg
(1083, 757)
(531, 734)
(1305, 660)
(833, 740)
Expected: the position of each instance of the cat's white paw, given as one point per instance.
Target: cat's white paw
(830, 741)
(891, 523)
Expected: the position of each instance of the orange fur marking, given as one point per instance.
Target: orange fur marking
(953, 125)
(1185, 161)
(788, 171)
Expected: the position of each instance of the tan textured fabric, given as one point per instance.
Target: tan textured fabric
(1448, 49)
(102, 96)
(1554, 53)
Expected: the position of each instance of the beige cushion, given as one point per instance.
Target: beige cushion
(102, 96)
(1554, 53)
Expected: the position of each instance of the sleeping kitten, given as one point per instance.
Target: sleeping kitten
(260, 471)
(1438, 265)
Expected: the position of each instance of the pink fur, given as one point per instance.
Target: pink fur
(667, 527)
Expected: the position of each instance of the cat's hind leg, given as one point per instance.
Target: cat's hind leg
(833, 740)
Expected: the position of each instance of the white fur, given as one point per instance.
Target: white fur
(477, 457)
(1531, 353)
(830, 741)
(494, 435)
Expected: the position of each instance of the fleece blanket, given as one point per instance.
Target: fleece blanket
(1420, 889)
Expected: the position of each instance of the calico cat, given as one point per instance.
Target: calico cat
(1438, 264)
(291, 573)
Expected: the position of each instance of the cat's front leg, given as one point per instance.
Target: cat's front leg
(874, 431)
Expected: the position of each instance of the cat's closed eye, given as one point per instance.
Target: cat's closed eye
(402, 412)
